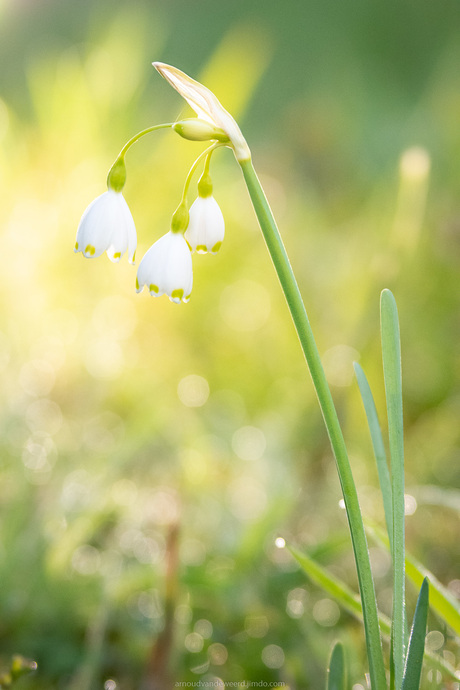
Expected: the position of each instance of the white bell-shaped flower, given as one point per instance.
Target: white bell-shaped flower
(107, 226)
(167, 268)
(206, 229)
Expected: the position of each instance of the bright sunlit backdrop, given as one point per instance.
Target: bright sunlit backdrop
(125, 417)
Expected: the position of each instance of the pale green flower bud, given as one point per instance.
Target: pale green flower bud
(117, 175)
(180, 219)
(205, 185)
(199, 130)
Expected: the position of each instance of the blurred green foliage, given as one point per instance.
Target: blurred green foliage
(125, 418)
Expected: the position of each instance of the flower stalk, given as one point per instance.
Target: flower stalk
(299, 316)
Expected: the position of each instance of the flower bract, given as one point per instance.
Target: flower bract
(107, 226)
(206, 228)
(206, 106)
(166, 268)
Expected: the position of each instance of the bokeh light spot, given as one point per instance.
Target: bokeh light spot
(249, 443)
(204, 628)
(217, 654)
(194, 642)
(434, 640)
(326, 612)
(296, 602)
(410, 504)
(273, 656)
(193, 391)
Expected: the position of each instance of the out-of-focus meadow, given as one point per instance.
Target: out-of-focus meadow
(150, 453)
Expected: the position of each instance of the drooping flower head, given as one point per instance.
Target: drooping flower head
(206, 106)
(206, 229)
(107, 226)
(166, 268)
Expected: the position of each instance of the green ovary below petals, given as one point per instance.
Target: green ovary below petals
(90, 250)
(177, 294)
(216, 247)
(154, 288)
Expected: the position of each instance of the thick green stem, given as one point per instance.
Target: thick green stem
(302, 325)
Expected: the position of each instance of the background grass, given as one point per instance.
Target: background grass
(352, 111)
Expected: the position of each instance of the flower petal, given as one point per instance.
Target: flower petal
(206, 106)
(206, 229)
(167, 268)
(107, 225)
(93, 234)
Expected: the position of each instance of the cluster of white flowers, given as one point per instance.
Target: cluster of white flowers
(107, 224)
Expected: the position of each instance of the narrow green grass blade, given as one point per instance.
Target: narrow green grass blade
(442, 602)
(392, 666)
(391, 354)
(377, 444)
(414, 661)
(337, 675)
(350, 601)
(331, 584)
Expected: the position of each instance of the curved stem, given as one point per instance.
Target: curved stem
(207, 152)
(296, 306)
(139, 135)
(207, 163)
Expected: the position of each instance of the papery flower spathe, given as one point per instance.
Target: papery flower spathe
(107, 226)
(206, 106)
(206, 229)
(167, 268)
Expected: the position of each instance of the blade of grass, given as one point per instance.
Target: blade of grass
(333, 586)
(391, 354)
(337, 675)
(441, 601)
(414, 660)
(377, 444)
(350, 601)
